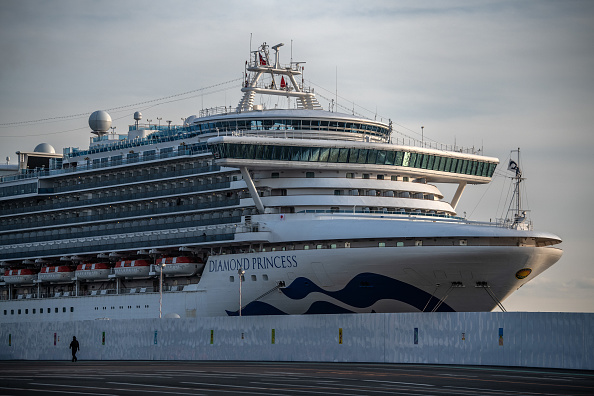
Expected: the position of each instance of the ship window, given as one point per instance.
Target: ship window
(310, 175)
(354, 154)
(405, 179)
(425, 161)
(315, 154)
(362, 156)
(253, 277)
(394, 178)
(474, 166)
(381, 157)
(344, 155)
(338, 192)
(12, 311)
(324, 154)
(448, 164)
(63, 309)
(305, 153)
(399, 244)
(463, 242)
(382, 244)
(380, 177)
(265, 277)
(390, 157)
(275, 175)
(418, 243)
(333, 155)
(350, 175)
(34, 311)
(19, 311)
(333, 246)
(371, 156)
(5, 312)
(56, 310)
(317, 247)
(231, 278)
(365, 175)
(27, 311)
(406, 159)
(306, 247)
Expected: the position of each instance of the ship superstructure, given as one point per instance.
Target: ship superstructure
(290, 211)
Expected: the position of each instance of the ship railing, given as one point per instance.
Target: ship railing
(421, 217)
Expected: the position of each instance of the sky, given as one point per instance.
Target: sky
(499, 75)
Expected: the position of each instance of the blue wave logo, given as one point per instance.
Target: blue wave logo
(362, 291)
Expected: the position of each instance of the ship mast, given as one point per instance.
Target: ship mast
(259, 65)
(518, 214)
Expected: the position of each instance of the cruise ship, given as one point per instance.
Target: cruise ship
(254, 211)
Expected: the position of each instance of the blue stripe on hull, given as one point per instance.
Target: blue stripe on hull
(362, 291)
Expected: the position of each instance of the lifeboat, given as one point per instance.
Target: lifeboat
(56, 273)
(19, 276)
(88, 271)
(132, 269)
(179, 266)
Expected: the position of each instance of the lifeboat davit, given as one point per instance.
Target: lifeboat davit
(132, 269)
(179, 266)
(20, 276)
(56, 273)
(96, 271)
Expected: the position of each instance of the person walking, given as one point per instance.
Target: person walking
(75, 347)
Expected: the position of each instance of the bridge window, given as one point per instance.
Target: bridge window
(310, 175)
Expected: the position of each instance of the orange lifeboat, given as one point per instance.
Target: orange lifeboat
(179, 266)
(56, 273)
(132, 269)
(96, 271)
(20, 276)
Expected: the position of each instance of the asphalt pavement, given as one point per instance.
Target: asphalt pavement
(282, 378)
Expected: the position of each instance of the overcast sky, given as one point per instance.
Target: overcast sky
(492, 74)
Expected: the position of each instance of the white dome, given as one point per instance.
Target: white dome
(44, 148)
(100, 121)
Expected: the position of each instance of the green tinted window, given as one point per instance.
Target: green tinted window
(354, 155)
(425, 161)
(448, 164)
(333, 155)
(362, 156)
(381, 157)
(399, 158)
(305, 153)
(442, 162)
(479, 168)
(371, 156)
(343, 155)
(324, 154)
(406, 159)
(390, 157)
(315, 154)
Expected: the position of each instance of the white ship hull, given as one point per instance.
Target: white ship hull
(325, 281)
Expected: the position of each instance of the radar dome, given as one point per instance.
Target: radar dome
(138, 116)
(100, 122)
(44, 148)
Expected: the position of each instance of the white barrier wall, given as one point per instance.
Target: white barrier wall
(559, 340)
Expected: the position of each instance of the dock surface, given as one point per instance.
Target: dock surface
(283, 378)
